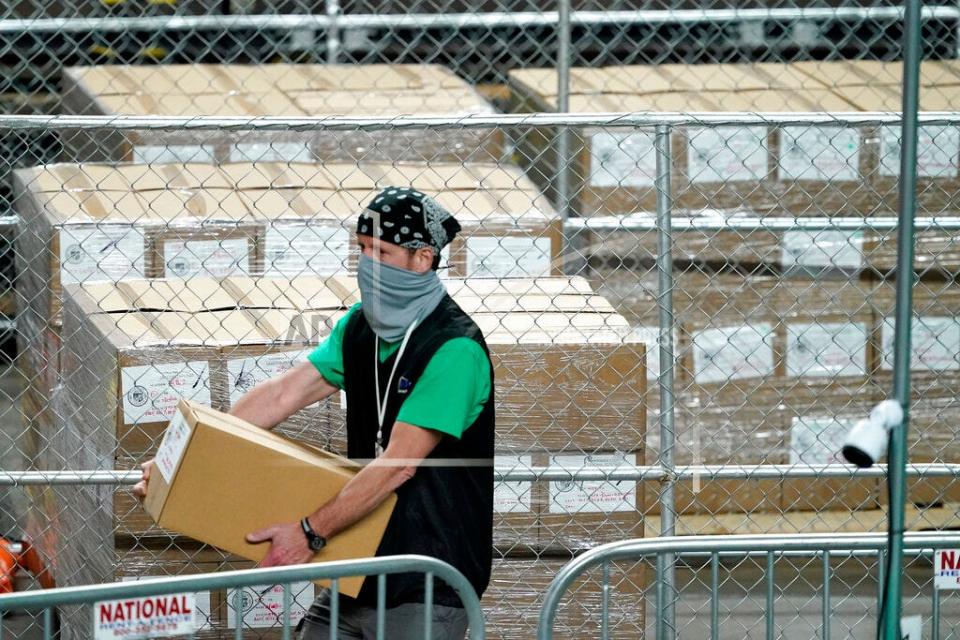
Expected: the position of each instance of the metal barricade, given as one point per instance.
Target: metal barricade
(826, 547)
(432, 569)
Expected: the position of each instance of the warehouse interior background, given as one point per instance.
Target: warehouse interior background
(143, 260)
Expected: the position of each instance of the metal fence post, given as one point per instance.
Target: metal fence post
(666, 627)
(564, 59)
(897, 458)
(563, 106)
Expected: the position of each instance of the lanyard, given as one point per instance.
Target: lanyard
(382, 408)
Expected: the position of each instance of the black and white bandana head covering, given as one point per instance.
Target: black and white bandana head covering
(409, 218)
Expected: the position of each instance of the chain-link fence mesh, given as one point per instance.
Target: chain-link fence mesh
(196, 260)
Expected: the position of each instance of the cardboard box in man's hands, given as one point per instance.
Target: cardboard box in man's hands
(218, 478)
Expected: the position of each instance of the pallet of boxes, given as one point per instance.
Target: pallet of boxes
(96, 222)
(570, 394)
(130, 347)
(278, 90)
(780, 335)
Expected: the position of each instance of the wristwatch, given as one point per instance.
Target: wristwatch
(314, 540)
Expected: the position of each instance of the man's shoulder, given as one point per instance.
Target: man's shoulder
(348, 316)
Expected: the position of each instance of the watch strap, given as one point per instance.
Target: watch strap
(314, 539)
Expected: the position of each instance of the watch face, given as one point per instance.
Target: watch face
(317, 543)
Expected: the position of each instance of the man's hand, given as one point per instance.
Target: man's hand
(288, 545)
(140, 489)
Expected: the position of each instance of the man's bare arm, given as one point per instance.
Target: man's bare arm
(409, 445)
(274, 400)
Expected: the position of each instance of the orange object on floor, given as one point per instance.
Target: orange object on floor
(16, 555)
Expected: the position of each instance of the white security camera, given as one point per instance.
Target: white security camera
(867, 441)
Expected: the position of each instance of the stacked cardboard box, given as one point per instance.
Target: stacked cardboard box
(570, 393)
(513, 601)
(762, 362)
(753, 171)
(725, 167)
(777, 370)
(934, 378)
(509, 228)
(89, 222)
(277, 90)
(108, 222)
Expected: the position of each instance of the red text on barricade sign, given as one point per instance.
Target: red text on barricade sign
(149, 617)
(946, 569)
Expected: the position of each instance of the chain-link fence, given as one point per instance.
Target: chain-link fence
(702, 302)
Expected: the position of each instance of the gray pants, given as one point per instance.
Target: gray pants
(404, 622)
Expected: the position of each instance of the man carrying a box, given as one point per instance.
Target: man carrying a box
(419, 388)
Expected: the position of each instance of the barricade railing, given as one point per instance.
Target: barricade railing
(432, 569)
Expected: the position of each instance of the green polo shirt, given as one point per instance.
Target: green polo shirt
(450, 393)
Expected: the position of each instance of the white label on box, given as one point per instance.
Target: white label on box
(911, 628)
(171, 449)
(148, 617)
(731, 353)
(270, 152)
(301, 249)
(817, 440)
(724, 154)
(508, 257)
(622, 160)
(243, 374)
(937, 150)
(202, 610)
(263, 607)
(827, 349)
(934, 343)
(512, 497)
(151, 392)
(946, 569)
(822, 249)
(179, 153)
(826, 154)
(110, 253)
(343, 400)
(574, 496)
(213, 258)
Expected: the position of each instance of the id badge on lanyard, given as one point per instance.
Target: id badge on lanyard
(382, 406)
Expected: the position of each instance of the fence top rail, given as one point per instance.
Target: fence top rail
(786, 544)
(335, 123)
(492, 19)
(247, 578)
(746, 223)
(624, 472)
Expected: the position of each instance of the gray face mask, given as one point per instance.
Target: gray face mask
(392, 299)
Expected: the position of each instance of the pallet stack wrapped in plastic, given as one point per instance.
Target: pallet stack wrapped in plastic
(277, 90)
(778, 333)
(761, 361)
(101, 225)
(730, 173)
(570, 393)
(93, 222)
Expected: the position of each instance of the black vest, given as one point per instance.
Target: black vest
(443, 511)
